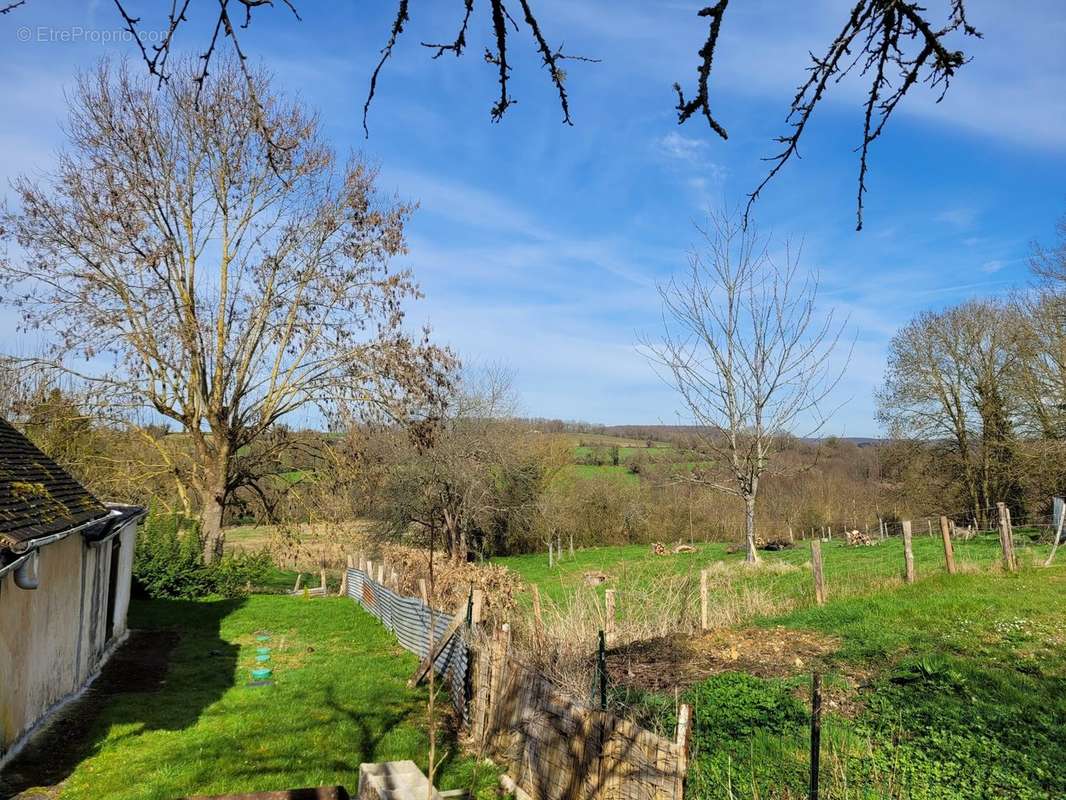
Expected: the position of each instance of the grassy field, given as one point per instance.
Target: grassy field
(953, 687)
(783, 578)
(339, 698)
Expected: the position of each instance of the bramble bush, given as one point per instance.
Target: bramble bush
(169, 562)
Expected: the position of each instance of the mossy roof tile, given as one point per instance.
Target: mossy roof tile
(37, 496)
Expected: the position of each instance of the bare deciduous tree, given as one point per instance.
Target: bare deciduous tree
(209, 277)
(895, 44)
(1042, 378)
(749, 353)
(948, 381)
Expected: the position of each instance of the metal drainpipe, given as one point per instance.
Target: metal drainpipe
(26, 575)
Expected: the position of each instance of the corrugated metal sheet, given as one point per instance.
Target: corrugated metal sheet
(409, 620)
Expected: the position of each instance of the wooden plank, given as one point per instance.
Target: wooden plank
(478, 600)
(438, 647)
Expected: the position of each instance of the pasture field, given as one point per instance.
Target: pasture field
(339, 698)
(784, 576)
(951, 688)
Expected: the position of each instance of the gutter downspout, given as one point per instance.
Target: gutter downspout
(18, 562)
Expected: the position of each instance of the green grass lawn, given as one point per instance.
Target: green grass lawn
(951, 688)
(339, 698)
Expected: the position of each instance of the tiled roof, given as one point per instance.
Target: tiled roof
(37, 496)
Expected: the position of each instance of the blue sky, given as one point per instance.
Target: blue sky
(540, 245)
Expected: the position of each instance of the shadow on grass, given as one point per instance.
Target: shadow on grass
(136, 687)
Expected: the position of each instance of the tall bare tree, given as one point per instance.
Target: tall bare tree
(1043, 374)
(948, 380)
(204, 252)
(748, 351)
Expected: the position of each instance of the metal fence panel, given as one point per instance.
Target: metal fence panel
(408, 618)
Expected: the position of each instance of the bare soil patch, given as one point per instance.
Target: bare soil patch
(681, 661)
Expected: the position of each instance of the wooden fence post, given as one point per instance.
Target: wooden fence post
(370, 569)
(949, 550)
(349, 563)
(381, 574)
(423, 591)
(601, 670)
(608, 599)
(550, 546)
(1006, 538)
(684, 727)
(929, 522)
(704, 599)
(816, 567)
(537, 618)
(477, 601)
(908, 552)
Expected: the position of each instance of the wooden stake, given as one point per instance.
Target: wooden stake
(550, 545)
(684, 727)
(299, 581)
(537, 618)
(381, 574)
(1058, 536)
(908, 552)
(601, 670)
(704, 598)
(929, 522)
(1006, 538)
(423, 591)
(439, 645)
(344, 579)
(477, 600)
(322, 580)
(608, 598)
(819, 577)
(369, 569)
(949, 550)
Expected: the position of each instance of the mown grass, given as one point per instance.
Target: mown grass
(339, 698)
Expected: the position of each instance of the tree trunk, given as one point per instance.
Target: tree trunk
(749, 529)
(212, 505)
(213, 492)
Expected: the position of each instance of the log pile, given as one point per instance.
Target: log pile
(858, 539)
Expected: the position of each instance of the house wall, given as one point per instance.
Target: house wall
(53, 638)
